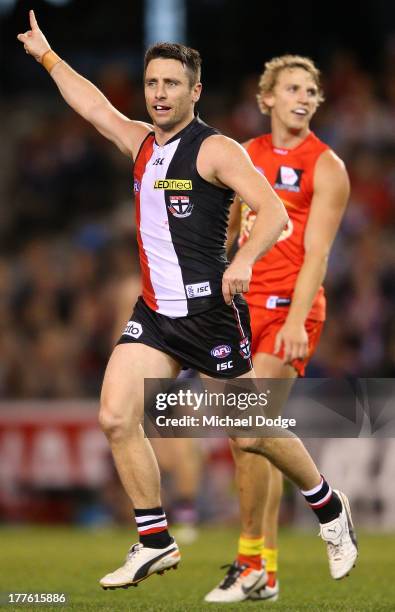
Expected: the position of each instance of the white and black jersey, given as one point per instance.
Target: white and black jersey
(181, 225)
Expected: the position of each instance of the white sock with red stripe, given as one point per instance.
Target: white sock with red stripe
(323, 501)
(152, 527)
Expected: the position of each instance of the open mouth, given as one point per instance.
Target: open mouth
(301, 112)
(160, 108)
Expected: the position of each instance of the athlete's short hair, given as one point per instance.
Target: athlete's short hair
(272, 69)
(190, 58)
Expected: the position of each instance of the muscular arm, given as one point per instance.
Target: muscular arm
(223, 162)
(86, 99)
(331, 191)
(234, 216)
(234, 223)
(89, 102)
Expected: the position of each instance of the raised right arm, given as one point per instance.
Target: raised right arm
(84, 97)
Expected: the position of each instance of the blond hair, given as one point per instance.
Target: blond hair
(273, 68)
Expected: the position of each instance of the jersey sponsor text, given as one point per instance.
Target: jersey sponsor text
(173, 184)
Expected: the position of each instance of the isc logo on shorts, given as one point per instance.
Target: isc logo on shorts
(225, 365)
(133, 329)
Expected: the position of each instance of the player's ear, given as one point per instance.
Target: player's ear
(196, 92)
(268, 99)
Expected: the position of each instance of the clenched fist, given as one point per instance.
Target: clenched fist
(34, 40)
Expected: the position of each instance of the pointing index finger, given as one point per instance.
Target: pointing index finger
(33, 21)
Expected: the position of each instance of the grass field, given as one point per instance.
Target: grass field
(71, 560)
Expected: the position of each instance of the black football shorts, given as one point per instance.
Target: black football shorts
(216, 342)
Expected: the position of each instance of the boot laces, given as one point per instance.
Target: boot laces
(133, 551)
(335, 551)
(232, 575)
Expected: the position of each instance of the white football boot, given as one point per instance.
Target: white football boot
(141, 562)
(269, 593)
(240, 581)
(341, 541)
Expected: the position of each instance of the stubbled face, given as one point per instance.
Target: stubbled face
(293, 100)
(168, 94)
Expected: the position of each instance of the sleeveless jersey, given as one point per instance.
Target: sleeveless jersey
(181, 225)
(291, 174)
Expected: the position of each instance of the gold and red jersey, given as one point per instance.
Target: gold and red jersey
(291, 174)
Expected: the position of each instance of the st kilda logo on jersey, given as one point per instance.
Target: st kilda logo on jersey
(180, 206)
(288, 179)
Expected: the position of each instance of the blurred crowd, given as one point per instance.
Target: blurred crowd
(68, 251)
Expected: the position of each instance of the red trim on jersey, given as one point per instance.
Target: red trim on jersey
(143, 156)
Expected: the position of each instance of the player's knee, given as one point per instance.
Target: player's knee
(258, 446)
(112, 423)
(248, 445)
(115, 422)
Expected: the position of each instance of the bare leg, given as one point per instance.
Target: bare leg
(269, 366)
(288, 454)
(272, 507)
(182, 458)
(121, 413)
(260, 484)
(252, 478)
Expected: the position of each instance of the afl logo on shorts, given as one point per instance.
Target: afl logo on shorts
(221, 351)
(245, 348)
(180, 206)
(133, 329)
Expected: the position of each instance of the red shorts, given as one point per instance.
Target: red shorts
(265, 324)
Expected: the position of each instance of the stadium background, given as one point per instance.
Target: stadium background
(68, 254)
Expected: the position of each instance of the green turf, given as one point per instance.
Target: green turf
(71, 560)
